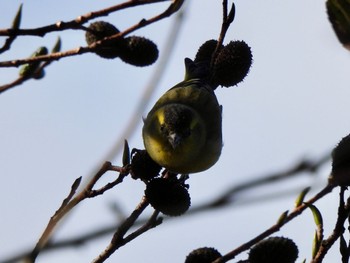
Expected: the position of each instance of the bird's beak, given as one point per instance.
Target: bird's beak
(174, 139)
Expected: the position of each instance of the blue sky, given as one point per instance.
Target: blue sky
(293, 104)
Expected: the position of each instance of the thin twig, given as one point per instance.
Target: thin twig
(108, 186)
(227, 19)
(118, 238)
(65, 208)
(15, 25)
(22, 79)
(81, 50)
(302, 166)
(73, 190)
(75, 23)
(343, 214)
(276, 227)
(13, 84)
(223, 200)
(7, 44)
(151, 223)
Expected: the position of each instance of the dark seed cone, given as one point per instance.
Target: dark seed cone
(338, 14)
(98, 31)
(203, 60)
(341, 163)
(274, 249)
(168, 196)
(139, 51)
(232, 64)
(203, 255)
(206, 51)
(142, 166)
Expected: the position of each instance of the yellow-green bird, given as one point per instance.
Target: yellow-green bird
(183, 130)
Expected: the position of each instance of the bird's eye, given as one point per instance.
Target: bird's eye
(164, 130)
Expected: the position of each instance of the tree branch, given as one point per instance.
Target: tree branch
(343, 214)
(67, 205)
(118, 237)
(227, 19)
(75, 23)
(276, 227)
(223, 200)
(81, 50)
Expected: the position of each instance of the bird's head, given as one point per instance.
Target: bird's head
(176, 124)
(196, 70)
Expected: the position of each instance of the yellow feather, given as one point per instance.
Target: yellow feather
(200, 142)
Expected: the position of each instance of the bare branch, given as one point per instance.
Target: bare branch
(15, 25)
(7, 44)
(343, 215)
(276, 227)
(22, 79)
(13, 84)
(76, 23)
(294, 170)
(81, 50)
(118, 238)
(151, 223)
(66, 207)
(223, 200)
(227, 19)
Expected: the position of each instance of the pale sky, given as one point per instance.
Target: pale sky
(292, 105)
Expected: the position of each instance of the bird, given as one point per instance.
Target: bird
(183, 130)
